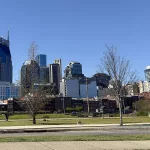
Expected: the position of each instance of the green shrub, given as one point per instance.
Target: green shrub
(78, 108)
(142, 113)
(69, 109)
(116, 115)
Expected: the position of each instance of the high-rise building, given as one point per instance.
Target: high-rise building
(58, 61)
(41, 60)
(44, 75)
(5, 61)
(44, 70)
(73, 70)
(54, 75)
(147, 73)
(30, 74)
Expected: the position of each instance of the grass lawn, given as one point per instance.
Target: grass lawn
(76, 138)
(61, 121)
(39, 116)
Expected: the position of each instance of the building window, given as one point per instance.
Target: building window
(2, 67)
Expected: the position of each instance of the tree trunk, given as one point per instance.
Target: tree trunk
(88, 107)
(34, 119)
(6, 116)
(120, 111)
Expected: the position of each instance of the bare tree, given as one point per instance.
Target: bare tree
(33, 91)
(32, 51)
(120, 72)
(35, 101)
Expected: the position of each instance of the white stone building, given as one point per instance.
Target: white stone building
(144, 86)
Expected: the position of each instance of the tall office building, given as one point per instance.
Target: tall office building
(73, 70)
(5, 60)
(147, 73)
(54, 75)
(44, 75)
(30, 74)
(41, 60)
(44, 70)
(58, 61)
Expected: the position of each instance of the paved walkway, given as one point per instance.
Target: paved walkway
(69, 126)
(82, 145)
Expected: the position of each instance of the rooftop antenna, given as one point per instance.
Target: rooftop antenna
(8, 37)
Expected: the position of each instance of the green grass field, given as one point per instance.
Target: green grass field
(76, 138)
(21, 120)
(39, 116)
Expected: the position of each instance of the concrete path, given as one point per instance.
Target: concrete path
(82, 145)
(76, 127)
(70, 126)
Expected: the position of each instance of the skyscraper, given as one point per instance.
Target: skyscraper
(5, 61)
(41, 60)
(44, 75)
(44, 71)
(73, 70)
(58, 61)
(54, 75)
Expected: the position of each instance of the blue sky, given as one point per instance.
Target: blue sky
(77, 30)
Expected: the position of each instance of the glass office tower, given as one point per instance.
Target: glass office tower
(5, 61)
(41, 60)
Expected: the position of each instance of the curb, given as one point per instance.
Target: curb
(32, 130)
(44, 130)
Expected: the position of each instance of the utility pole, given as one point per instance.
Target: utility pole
(87, 96)
(64, 105)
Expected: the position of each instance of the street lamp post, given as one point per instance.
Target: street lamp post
(87, 96)
(63, 104)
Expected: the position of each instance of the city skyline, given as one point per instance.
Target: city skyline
(78, 31)
(47, 63)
